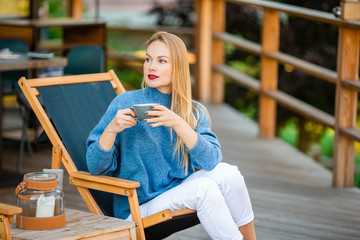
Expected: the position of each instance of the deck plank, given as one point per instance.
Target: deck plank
(291, 194)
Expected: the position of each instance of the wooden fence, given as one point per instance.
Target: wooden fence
(210, 31)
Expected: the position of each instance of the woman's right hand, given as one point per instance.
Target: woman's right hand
(123, 119)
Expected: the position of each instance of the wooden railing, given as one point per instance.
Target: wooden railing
(210, 31)
(210, 37)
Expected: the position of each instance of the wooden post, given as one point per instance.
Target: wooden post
(346, 99)
(218, 55)
(203, 48)
(76, 8)
(269, 73)
(34, 9)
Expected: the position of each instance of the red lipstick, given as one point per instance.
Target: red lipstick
(152, 77)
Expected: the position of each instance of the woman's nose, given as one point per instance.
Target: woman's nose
(152, 66)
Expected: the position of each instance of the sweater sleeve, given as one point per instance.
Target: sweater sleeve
(206, 153)
(100, 161)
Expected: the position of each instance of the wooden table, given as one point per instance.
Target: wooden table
(82, 225)
(24, 62)
(75, 32)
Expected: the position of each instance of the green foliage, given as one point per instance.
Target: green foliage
(327, 142)
(126, 75)
(290, 132)
(56, 8)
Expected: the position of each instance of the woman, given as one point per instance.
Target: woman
(162, 152)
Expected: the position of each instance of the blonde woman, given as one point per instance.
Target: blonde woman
(162, 152)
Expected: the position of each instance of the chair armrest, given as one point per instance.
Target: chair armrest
(103, 183)
(9, 211)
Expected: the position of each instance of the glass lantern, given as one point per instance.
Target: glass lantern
(42, 203)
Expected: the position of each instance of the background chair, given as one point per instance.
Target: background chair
(75, 104)
(10, 87)
(10, 78)
(84, 60)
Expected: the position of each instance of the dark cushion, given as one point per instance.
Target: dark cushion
(176, 224)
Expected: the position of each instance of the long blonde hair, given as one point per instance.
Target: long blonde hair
(181, 101)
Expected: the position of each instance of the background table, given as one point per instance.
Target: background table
(82, 225)
(24, 62)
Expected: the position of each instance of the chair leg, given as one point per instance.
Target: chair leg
(25, 115)
(5, 228)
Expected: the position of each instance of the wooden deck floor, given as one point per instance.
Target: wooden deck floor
(291, 194)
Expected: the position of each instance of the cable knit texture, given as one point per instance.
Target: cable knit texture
(145, 154)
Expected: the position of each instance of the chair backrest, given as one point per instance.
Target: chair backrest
(85, 60)
(14, 45)
(9, 78)
(74, 104)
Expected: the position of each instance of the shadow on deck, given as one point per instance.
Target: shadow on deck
(292, 195)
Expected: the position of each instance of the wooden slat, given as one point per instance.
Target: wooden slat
(107, 180)
(301, 107)
(175, 30)
(255, 48)
(351, 84)
(301, 12)
(100, 186)
(73, 79)
(351, 132)
(182, 212)
(136, 214)
(269, 72)
(156, 218)
(240, 43)
(239, 77)
(310, 68)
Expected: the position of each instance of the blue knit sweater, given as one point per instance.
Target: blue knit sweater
(145, 154)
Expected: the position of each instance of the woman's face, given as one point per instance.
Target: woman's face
(157, 67)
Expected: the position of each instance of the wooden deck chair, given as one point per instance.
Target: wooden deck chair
(74, 105)
(7, 213)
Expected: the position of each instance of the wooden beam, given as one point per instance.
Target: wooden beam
(218, 52)
(203, 46)
(239, 77)
(76, 8)
(34, 9)
(350, 10)
(307, 13)
(346, 104)
(269, 73)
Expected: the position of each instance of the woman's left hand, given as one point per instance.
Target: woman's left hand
(163, 117)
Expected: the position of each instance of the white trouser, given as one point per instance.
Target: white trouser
(219, 196)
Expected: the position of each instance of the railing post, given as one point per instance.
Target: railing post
(217, 79)
(76, 8)
(346, 99)
(269, 73)
(203, 37)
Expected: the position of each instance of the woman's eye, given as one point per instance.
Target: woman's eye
(147, 60)
(162, 61)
